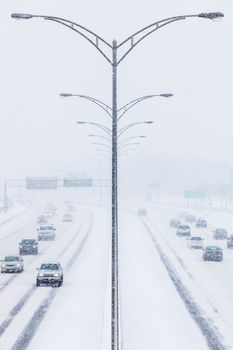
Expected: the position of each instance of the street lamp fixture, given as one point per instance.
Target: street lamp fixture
(166, 95)
(212, 15)
(64, 94)
(21, 16)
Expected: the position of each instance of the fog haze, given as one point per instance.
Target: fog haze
(191, 59)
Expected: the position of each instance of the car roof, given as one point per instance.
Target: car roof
(212, 247)
(28, 239)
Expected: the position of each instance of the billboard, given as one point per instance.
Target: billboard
(41, 183)
(75, 182)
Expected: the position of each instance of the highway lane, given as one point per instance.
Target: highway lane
(21, 292)
(209, 282)
(152, 312)
(151, 307)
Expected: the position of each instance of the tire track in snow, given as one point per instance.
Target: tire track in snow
(32, 326)
(210, 333)
(19, 306)
(14, 276)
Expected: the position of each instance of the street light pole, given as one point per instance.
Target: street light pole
(133, 41)
(115, 310)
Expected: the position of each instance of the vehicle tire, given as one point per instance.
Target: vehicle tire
(37, 283)
(56, 284)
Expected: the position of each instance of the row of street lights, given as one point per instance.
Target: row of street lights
(110, 53)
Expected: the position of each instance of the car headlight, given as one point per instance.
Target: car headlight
(57, 275)
(34, 246)
(40, 274)
(18, 265)
(3, 265)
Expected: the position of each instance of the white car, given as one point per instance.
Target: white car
(12, 263)
(195, 242)
(183, 230)
(50, 273)
(46, 233)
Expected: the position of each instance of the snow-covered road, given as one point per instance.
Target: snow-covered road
(169, 297)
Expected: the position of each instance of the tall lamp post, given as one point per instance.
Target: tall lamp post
(130, 43)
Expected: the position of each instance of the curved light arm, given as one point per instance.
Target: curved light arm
(102, 127)
(132, 103)
(101, 144)
(133, 137)
(122, 146)
(101, 136)
(125, 152)
(89, 35)
(99, 103)
(125, 128)
(137, 37)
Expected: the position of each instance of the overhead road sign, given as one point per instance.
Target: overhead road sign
(41, 183)
(72, 182)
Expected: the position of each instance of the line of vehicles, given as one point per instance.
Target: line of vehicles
(210, 252)
(50, 272)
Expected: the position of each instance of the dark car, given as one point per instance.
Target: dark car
(174, 223)
(200, 222)
(213, 253)
(141, 212)
(28, 246)
(220, 233)
(230, 241)
(190, 218)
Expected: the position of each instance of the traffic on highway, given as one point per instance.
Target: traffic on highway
(116, 181)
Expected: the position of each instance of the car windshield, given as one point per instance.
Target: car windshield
(212, 248)
(196, 238)
(11, 258)
(46, 228)
(184, 227)
(221, 230)
(28, 241)
(49, 266)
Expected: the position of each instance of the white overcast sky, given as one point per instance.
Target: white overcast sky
(193, 59)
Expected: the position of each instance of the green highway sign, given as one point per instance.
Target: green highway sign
(199, 194)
